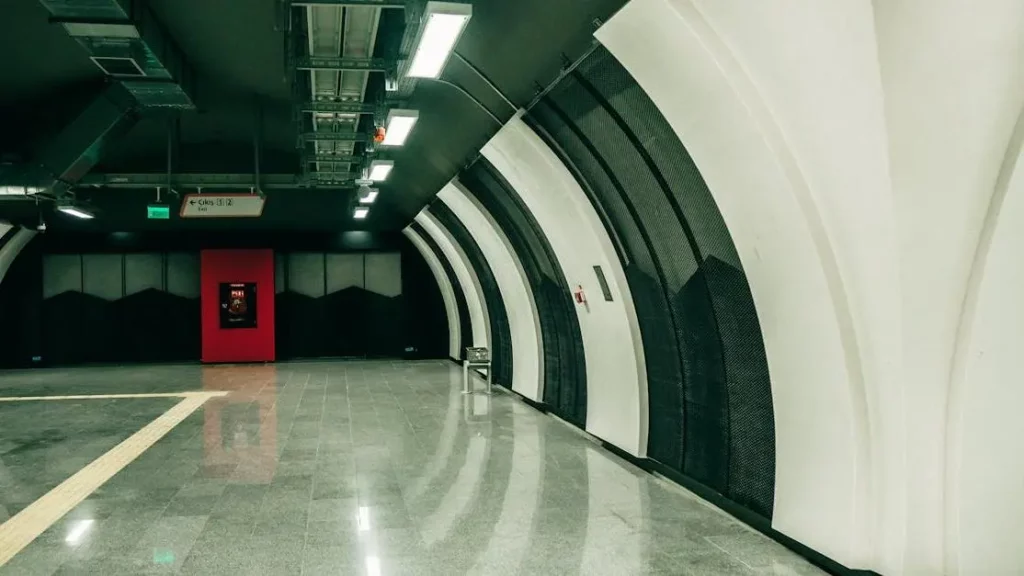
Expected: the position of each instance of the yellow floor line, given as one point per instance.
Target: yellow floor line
(27, 525)
(205, 394)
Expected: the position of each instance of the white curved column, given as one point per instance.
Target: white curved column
(616, 373)
(476, 304)
(523, 322)
(13, 247)
(451, 307)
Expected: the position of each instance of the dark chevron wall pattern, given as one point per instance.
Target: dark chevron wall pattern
(120, 307)
(340, 305)
(108, 307)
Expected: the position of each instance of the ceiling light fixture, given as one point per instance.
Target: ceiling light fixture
(399, 125)
(444, 23)
(368, 195)
(77, 212)
(379, 170)
(361, 213)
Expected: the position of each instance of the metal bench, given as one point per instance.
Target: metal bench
(476, 358)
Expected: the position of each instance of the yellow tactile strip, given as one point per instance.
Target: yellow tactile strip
(20, 530)
(113, 396)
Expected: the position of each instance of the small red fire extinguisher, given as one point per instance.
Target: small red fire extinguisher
(581, 297)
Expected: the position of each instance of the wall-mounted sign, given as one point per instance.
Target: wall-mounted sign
(158, 212)
(222, 206)
(238, 305)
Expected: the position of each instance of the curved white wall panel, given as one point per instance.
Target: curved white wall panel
(451, 307)
(949, 127)
(616, 373)
(986, 501)
(864, 187)
(523, 322)
(471, 289)
(821, 440)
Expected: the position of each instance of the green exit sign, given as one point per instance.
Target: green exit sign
(157, 212)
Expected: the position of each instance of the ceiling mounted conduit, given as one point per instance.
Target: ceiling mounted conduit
(341, 54)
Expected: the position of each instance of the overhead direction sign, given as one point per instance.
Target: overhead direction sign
(222, 206)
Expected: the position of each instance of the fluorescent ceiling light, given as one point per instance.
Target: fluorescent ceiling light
(20, 190)
(399, 126)
(368, 195)
(379, 170)
(76, 212)
(444, 23)
(361, 213)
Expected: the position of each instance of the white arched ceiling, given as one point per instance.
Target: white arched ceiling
(463, 269)
(616, 373)
(523, 322)
(451, 307)
(855, 175)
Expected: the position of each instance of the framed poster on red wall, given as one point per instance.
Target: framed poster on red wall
(238, 305)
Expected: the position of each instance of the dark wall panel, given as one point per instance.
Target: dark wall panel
(565, 378)
(21, 309)
(426, 320)
(748, 388)
(119, 300)
(384, 304)
(116, 308)
(711, 416)
(501, 336)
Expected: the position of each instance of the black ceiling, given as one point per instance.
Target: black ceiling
(239, 58)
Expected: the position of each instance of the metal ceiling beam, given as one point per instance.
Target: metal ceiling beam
(207, 181)
(333, 176)
(348, 3)
(341, 63)
(339, 107)
(333, 137)
(345, 158)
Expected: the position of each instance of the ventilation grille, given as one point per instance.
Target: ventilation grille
(119, 66)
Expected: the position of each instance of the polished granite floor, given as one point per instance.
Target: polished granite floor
(361, 468)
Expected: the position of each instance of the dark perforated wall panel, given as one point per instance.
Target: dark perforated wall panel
(351, 305)
(426, 321)
(501, 337)
(465, 325)
(711, 415)
(565, 384)
(116, 307)
(645, 278)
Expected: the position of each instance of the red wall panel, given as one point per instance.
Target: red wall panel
(239, 344)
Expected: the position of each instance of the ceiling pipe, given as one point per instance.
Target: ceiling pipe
(236, 182)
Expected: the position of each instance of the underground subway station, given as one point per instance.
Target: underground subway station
(511, 287)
